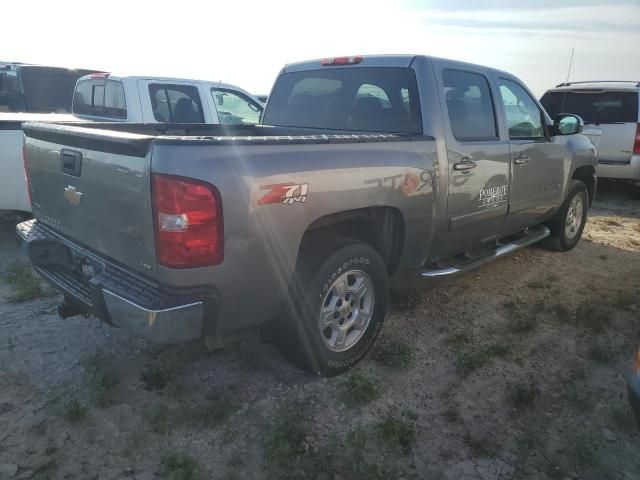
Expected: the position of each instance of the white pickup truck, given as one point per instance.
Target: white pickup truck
(102, 97)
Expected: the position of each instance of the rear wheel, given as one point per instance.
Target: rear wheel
(336, 307)
(568, 223)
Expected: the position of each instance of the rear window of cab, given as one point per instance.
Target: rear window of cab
(367, 99)
(100, 98)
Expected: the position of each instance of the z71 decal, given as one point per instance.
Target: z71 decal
(284, 193)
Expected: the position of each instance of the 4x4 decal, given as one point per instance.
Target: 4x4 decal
(284, 193)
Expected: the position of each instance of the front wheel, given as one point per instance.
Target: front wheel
(336, 308)
(568, 223)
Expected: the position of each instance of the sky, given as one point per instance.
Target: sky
(246, 43)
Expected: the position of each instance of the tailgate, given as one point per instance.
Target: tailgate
(93, 186)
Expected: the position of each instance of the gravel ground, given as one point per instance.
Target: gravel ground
(515, 370)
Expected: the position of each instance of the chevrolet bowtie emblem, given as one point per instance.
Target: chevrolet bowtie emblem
(72, 195)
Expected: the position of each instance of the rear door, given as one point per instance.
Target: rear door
(478, 158)
(614, 112)
(537, 160)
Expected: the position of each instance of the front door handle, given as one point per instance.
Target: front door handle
(464, 164)
(521, 160)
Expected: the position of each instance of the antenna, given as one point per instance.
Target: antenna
(570, 65)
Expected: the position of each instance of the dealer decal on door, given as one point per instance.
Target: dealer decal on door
(493, 196)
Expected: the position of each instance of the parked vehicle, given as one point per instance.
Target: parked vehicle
(634, 387)
(37, 88)
(163, 100)
(613, 107)
(104, 97)
(369, 171)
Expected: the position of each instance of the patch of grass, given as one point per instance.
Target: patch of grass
(593, 315)
(470, 358)
(584, 451)
(622, 419)
(285, 442)
(74, 412)
(452, 414)
(215, 411)
(180, 466)
(520, 395)
(481, 447)
(160, 419)
(458, 338)
(45, 472)
(359, 390)
(405, 300)
(25, 284)
(624, 299)
(156, 377)
(561, 312)
(100, 378)
(395, 431)
(393, 352)
(603, 350)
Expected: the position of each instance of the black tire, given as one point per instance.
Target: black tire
(298, 335)
(560, 240)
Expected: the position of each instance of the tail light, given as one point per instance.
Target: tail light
(636, 144)
(188, 222)
(341, 60)
(26, 172)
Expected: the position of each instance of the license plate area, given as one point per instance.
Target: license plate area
(52, 254)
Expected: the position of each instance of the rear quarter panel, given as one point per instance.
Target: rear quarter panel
(262, 240)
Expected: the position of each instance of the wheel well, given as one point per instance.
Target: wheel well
(382, 228)
(586, 175)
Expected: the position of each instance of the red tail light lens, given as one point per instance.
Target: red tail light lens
(188, 222)
(636, 144)
(26, 172)
(341, 60)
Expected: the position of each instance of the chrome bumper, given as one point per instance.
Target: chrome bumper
(109, 294)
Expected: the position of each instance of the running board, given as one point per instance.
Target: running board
(531, 236)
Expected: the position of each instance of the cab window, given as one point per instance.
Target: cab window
(175, 103)
(524, 118)
(100, 98)
(235, 108)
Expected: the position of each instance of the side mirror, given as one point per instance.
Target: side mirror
(568, 124)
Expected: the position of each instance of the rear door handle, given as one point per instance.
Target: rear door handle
(521, 160)
(464, 164)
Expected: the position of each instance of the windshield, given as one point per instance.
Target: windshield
(356, 99)
(594, 106)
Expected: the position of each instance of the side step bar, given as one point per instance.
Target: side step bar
(531, 236)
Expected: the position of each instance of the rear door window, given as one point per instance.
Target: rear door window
(365, 99)
(100, 98)
(235, 108)
(470, 106)
(174, 103)
(594, 106)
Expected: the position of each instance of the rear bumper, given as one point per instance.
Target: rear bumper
(98, 287)
(621, 171)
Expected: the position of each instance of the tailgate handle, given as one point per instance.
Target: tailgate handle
(71, 162)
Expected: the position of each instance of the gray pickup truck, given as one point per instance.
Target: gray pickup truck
(366, 172)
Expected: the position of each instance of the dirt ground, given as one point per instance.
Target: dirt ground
(513, 371)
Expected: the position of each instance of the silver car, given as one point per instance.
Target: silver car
(612, 107)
